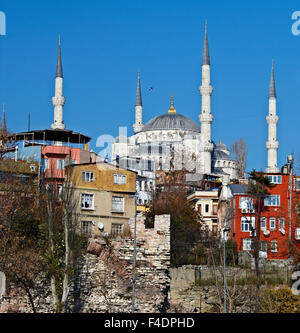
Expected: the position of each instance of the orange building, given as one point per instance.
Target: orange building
(278, 223)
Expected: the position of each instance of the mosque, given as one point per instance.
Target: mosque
(173, 140)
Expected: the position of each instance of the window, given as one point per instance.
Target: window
(60, 164)
(246, 203)
(264, 246)
(272, 223)
(247, 244)
(274, 246)
(116, 229)
(215, 209)
(263, 224)
(275, 179)
(74, 162)
(88, 176)
(46, 161)
(272, 200)
(246, 221)
(200, 208)
(206, 208)
(86, 227)
(297, 233)
(160, 150)
(119, 179)
(117, 204)
(281, 224)
(87, 201)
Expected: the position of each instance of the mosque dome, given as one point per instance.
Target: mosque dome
(171, 121)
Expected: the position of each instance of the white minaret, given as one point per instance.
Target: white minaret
(272, 120)
(58, 100)
(138, 126)
(206, 118)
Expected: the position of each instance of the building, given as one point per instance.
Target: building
(278, 223)
(105, 197)
(173, 139)
(18, 172)
(206, 203)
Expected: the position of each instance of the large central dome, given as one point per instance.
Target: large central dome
(171, 121)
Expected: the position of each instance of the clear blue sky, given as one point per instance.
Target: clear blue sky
(104, 43)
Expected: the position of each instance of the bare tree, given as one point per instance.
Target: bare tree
(21, 259)
(239, 150)
(62, 244)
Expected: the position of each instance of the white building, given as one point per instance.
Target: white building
(173, 141)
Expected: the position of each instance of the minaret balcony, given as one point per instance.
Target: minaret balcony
(58, 101)
(272, 144)
(272, 119)
(206, 118)
(206, 90)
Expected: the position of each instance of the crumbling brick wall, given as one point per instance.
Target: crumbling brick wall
(104, 279)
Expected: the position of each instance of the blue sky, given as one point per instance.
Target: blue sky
(104, 43)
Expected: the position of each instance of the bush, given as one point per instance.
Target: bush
(279, 301)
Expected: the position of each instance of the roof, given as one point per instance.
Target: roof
(238, 188)
(171, 121)
(66, 136)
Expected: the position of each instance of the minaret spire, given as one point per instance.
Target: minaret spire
(205, 58)
(3, 123)
(138, 101)
(272, 119)
(58, 100)
(206, 118)
(59, 71)
(138, 125)
(272, 90)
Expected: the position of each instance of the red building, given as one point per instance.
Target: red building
(278, 223)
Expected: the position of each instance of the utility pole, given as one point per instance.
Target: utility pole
(291, 164)
(224, 268)
(134, 260)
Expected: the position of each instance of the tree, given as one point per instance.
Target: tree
(239, 150)
(62, 245)
(186, 229)
(21, 259)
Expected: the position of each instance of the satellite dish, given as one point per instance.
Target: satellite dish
(100, 226)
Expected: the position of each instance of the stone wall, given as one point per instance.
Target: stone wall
(104, 279)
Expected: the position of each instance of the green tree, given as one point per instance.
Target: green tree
(185, 225)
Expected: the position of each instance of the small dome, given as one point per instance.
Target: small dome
(171, 121)
(220, 155)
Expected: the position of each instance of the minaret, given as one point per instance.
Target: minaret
(206, 118)
(272, 120)
(58, 100)
(138, 126)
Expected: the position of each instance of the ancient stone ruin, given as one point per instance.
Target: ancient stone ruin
(104, 279)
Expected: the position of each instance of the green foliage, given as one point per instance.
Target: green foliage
(185, 225)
